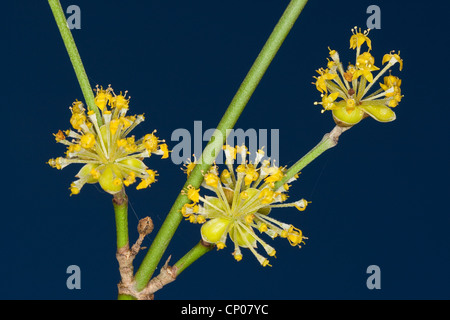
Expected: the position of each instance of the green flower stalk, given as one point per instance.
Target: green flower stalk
(328, 141)
(120, 203)
(74, 56)
(193, 255)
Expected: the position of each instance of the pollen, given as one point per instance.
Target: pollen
(193, 194)
(150, 142)
(220, 245)
(87, 140)
(59, 136)
(95, 174)
(74, 189)
(212, 180)
(189, 166)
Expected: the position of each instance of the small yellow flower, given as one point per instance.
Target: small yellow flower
(328, 101)
(365, 66)
(165, 151)
(391, 87)
(346, 92)
(189, 166)
(212, 180)
(87, 141)
(393, 58)
(241, 205)
(145, 182)
(321, 81)
(193, 194)
(102, 98)
(359, 38)
(59, 136)
(110, 156)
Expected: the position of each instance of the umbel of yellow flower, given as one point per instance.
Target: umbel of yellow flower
(346, 91)
(241, 205)
(110, 155)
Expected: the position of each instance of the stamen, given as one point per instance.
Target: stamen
(382, 94)
(386, 68)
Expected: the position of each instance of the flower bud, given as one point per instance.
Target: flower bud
(213, 230)
(111, 179)
(243, 238)
(135, 163)
(345, 118)
(86, 173)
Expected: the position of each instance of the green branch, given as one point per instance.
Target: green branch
(193, 255)
(120, 203)
(227, 122)
(328, 141)
(75, 58)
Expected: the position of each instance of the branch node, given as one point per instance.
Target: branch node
(334, 135)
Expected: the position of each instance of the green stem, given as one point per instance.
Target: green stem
(125, 297)
(237, 105)
(120, 203)
(328, 141)
(75, 58)
(195, 253)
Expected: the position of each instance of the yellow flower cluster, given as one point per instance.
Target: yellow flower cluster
(345, 92)
(242, 203)
(110, 156)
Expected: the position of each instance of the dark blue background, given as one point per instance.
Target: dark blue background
(380, 197)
